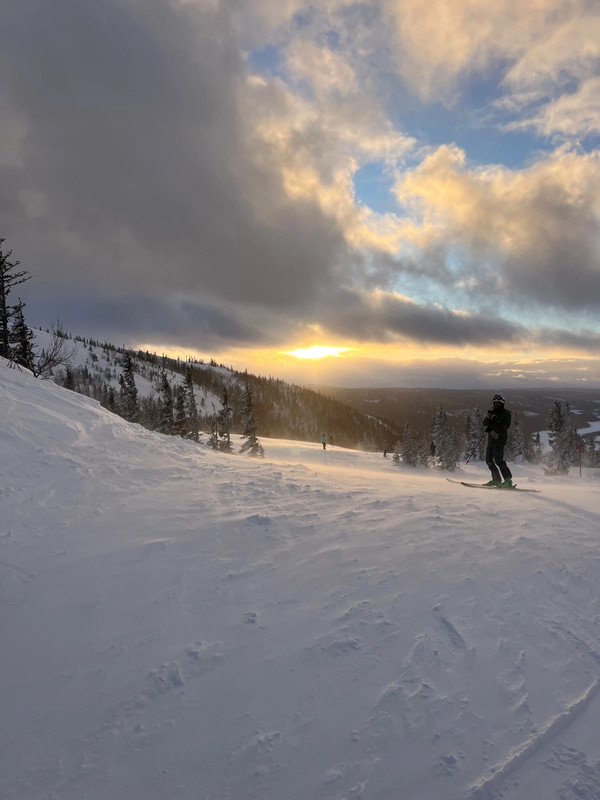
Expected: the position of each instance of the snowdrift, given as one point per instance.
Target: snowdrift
(178, 623)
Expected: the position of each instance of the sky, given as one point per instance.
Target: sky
(412, 188)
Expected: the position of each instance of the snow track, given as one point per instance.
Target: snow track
(533, 747)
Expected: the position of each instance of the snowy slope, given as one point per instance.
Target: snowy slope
(107, 365)
(177, 623)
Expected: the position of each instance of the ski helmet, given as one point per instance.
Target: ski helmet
(497, 398)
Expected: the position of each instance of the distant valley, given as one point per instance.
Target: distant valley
(417, 406)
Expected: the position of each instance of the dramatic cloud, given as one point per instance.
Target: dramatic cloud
(223, 174)
(530, 236)
(382, 316)
(141, 152)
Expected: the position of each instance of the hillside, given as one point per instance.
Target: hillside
(179, 623)
(281, 409)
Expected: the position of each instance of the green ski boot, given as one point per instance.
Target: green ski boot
(507, 484)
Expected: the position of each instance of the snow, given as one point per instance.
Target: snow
(107, 365)
(178, 623)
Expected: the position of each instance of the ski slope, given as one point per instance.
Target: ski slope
(177, 623)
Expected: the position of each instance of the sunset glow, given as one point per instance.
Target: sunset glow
(317, 351)
(417, 182)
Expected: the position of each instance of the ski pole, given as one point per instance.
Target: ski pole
(474, 450)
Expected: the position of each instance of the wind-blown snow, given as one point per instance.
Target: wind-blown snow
(177, 623)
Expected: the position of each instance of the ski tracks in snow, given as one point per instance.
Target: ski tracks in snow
(571, 764)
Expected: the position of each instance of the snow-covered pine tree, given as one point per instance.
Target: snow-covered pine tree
(515, 442)
(165, 405)
(561, 439)
(21, 339)
(214, 431)
(537, 448)
(423, 449)
(251, 446)
(408, 447)
(519, 446)
(413, 448)
(191, 410)
(128, 398)
(446, 444)
(475, 445)
(178, 411)
(224, 423)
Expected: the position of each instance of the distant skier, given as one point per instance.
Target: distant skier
(324, 441)
(385, 449)
(497, 422)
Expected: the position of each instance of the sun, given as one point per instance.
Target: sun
(317, 351)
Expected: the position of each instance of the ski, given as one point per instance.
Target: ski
(485, 486)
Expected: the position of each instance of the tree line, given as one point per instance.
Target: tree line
(443, 446)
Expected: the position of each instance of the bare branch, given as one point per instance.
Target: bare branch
(60, 352)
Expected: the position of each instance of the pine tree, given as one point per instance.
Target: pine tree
(561, 439)
(68, 380)
(251, 446)
(111, 400)
(214, 432)
(165, 403)
(20, 340)
(191, 410)
(9, 278)
(413, 448)
(515, 442)
(128, 399)
(224, 423)
(179, 421)
(537, 448)
(446, 443)
(475, 446)
(407, 447)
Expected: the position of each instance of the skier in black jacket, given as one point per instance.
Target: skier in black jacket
(497, 423)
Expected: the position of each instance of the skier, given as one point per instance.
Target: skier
(497, 423)
(324, 441)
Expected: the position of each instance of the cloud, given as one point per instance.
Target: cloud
(386, 316)
(571, 116)
(555, 81)
(528, 236)
(324, 69)
(438, 44)
(569, 50)
(585, 340)
(158, 184)
(138, 149)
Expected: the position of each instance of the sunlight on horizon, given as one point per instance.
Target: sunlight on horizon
(317, 351)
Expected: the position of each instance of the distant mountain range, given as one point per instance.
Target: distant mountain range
(416, 406)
